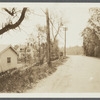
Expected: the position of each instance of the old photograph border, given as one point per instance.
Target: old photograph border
(49, 95)
(65, 1)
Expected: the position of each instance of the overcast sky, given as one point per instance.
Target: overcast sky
(76, 16)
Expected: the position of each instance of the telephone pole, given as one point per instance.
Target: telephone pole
(48, 39)
(65, 29)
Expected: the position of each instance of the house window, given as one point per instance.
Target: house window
(8, 59)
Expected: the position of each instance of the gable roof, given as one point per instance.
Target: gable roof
(3, 48)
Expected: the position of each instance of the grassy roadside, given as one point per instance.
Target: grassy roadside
(21, 80)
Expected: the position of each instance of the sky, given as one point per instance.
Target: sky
(75, 15)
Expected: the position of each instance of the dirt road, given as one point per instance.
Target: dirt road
(79, 74)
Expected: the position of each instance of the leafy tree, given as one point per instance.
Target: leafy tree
(91, 34)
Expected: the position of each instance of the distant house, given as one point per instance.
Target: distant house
(8, 57)
(24, 50)
(21, 51)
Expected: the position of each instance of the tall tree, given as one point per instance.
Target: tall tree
(91, 34)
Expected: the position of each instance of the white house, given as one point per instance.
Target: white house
(8, 57)
(25, 50)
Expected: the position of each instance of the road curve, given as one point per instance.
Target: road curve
(79, 74)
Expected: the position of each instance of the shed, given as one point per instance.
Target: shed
(8, 57)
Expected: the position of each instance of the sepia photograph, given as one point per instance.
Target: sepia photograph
(50, 48)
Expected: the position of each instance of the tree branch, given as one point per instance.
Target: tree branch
(57, 32)
(10, 26)
(10, 12)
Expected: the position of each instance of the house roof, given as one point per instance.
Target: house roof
(3, 48)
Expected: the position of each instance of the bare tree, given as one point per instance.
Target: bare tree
(59, 25)
(8, 26)
(56, 24)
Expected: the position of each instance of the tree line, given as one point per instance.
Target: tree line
(91, 34)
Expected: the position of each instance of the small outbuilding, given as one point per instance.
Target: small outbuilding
(8, 57)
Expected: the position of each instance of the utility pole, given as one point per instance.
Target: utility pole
(48, 39)
(65, 29)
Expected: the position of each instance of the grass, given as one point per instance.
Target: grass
(21, 80)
